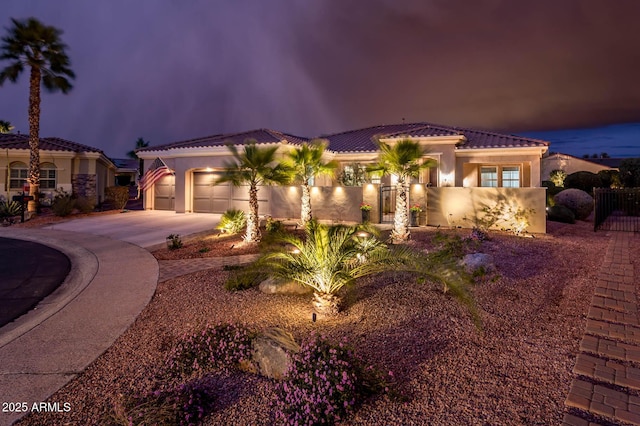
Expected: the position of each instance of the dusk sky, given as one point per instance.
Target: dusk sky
(169, 70)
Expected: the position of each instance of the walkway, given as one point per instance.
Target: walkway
(606, 386)
(175, 268)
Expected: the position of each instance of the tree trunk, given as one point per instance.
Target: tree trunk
(401, 218)
(305, 213)
(253, 229)
(34, 139)
(326, 305)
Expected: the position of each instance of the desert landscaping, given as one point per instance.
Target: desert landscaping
(439, 367)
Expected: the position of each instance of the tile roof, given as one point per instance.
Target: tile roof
(261, 136)
(20, 141)
(362, 140)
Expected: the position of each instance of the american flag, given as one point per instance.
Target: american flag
(155, 172)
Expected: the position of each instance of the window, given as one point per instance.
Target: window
(500, 176)
(48, 174)
(511, 177)
(17, 175)
(489, 176)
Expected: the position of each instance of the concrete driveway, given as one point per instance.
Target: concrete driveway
(145, 228)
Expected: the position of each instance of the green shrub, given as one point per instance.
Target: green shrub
(174, 242)
(84, 204)
(579, 202)
(558, 177)
(560, 213)
(63, 203)
(610, 178)
(630, 172)
(243, 278)
(584, 181)
(274, 226)
(118, 195)
(232, 221)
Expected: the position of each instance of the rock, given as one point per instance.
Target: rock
(560, 213)
(272, 352)
(270, 286)
(476, 261)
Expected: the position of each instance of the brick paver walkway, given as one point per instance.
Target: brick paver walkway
(174, 268)
(606, 386)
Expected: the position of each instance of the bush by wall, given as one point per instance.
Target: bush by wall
(579, 202)
(118, 195)
(63, 203)
(584, 181)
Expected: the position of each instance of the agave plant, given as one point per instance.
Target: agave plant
(232, 221)
(9, 208)
(330, 257)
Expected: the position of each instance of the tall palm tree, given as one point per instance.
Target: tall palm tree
(306, 163)
(254, 166)
(140, 143)
(30, 43)
(405, 161)
(5, 126)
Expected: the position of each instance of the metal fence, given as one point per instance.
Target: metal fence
(617, 209)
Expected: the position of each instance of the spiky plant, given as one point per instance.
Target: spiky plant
(405, 159)
(232, 221)
(330, 257)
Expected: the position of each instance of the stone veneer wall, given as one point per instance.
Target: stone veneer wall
(85, 185)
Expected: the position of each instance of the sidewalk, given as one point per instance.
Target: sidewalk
(109, 284)
(606, 386)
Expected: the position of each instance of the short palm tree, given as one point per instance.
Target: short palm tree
(32, 44)
(306, 163)
(254, 166)
(405, 160)
(330, 257)
(5, 126)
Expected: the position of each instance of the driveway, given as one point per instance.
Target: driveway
(146, 228)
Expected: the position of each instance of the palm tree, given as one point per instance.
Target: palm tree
(332, 256)
(32, 44)
(5, 126)
(254, 166)
(306, 163)
(405, 161)
(140, 143)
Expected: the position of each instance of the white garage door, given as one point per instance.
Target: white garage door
(210, 198)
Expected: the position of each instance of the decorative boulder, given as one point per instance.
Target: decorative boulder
(576, 200)
(478, 261)
(270, 286)
(560, 213)
(272, 352)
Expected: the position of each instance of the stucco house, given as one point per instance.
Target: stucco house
(74, 167)
(471, 165)
(570, 164)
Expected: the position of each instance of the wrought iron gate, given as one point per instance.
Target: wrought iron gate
(617, 209)
(387, 203)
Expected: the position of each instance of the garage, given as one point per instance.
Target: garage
(165, 193)
(210, 198)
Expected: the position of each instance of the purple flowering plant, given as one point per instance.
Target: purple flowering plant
(222, 346)
(324, 384)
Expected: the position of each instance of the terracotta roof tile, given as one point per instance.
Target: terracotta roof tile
(261, 136)
(20, 141)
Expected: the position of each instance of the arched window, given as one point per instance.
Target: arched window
(48, 176)
(17, 175)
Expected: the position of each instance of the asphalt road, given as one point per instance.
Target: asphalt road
(28, 273)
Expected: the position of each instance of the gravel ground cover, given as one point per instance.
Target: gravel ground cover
(515, 370)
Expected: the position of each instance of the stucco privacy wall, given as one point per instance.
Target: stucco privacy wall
(336, 203)
(451, 206)
(569, 164)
